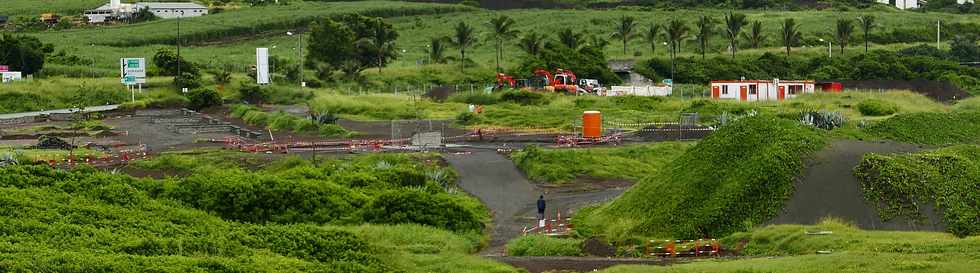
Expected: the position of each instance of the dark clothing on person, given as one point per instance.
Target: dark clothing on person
(541, 207)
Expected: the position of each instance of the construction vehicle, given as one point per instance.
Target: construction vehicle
(562, 81)
(505, 81)
(50, 18)
(591, 86)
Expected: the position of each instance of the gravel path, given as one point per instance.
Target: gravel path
(497, 182)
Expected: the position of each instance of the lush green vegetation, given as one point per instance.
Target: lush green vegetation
(947, 178)
(735, 179)
(281, 121)
(849, 250)
(540, 245)
(930, 128)
(632, 162)
(877, 108)
(875, 65)
(221, 217)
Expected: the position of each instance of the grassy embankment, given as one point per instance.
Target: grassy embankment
(287, 216)
(633, 162)
(850, 250)
(731, 181)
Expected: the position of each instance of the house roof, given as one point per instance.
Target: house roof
(172, 5)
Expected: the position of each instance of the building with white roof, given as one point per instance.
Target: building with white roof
(114, 10)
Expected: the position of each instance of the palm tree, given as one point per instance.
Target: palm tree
(624, 31)
(755, 37)
(437, 50)
(706, 29)
(650, 36)
(597, 42)
(463, 39)
(791, 34)
(502, 29)
(733, 27)
(381, 42)
(676, 33)
(569, 38)
(844, 29)
(867, 23)
(531, 43)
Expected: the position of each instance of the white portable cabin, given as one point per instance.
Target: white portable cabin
(643, 91)
(760, 90)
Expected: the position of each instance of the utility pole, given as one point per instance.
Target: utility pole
(178, 50)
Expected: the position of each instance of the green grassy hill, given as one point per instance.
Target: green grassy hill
(731, 181)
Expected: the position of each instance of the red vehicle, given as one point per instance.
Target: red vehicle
(562, 81)
(505, 81)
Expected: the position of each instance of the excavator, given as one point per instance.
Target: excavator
(562, 81)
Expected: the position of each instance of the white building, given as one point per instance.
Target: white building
(912, 4)
(760, 90)
(115, 10)
(174, 10)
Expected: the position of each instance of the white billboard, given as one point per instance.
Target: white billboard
(262, 65)
(132, 71)
(9, 76)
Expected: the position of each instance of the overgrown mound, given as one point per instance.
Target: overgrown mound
(225, 219)
(947, 178)
(736, 178)
(931, 128)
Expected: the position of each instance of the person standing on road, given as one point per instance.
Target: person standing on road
(541, 207)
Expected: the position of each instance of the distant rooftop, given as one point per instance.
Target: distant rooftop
(172, 5)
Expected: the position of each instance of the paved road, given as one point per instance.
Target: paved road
(495, 180)
(60, 111)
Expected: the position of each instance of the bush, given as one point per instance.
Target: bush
(524, 98)
(467, 118)
(394, 207)
(540, 245)
(476, 99)
(203, 98)
(253, 94)
(946, 178)
(875, 107)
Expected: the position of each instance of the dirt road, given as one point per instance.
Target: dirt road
(497, 182)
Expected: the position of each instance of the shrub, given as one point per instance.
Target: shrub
(875, 107)
(253, 94)
(476, 99)
(394, 207)
(540, 245)
(203, 98)
(524, 98)
(467, 118)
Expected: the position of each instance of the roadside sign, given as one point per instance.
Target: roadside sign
(669, 81)
(132, 71)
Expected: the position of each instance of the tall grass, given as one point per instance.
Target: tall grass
(629, 162)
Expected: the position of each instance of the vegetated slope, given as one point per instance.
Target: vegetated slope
(948, 178)
(266, 221)
(244, 22)
(629, 162)
(735, 179)
(34, 8)
(828, 188)
(931, 128)
(848, 249)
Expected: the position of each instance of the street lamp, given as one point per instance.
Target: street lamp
(830, 48)
(299, 47)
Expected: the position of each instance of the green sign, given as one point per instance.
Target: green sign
(133, 63)
(129, 80)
